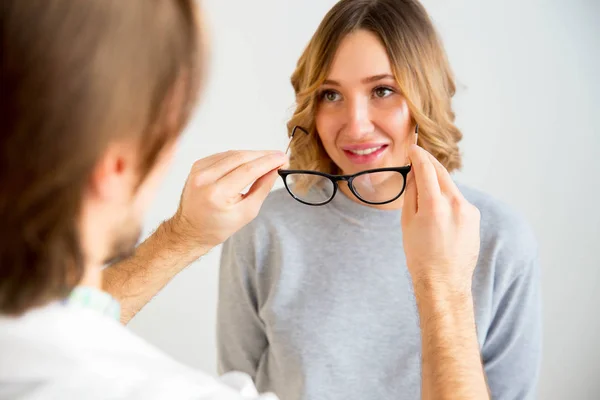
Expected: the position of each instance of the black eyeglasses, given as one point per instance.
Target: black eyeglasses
(374, 186)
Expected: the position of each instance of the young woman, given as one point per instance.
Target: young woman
(316, 300)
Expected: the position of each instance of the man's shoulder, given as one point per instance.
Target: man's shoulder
(90, 385)
(85, 355)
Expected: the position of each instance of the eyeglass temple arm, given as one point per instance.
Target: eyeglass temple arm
(292, 136)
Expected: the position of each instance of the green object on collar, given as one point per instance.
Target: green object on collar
(95, 299)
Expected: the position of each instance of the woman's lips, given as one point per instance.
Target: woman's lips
(365, 153)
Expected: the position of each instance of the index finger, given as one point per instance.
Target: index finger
(213, 168)
(245, 174)
(428, 188)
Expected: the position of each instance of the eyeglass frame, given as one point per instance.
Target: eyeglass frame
(284, 173)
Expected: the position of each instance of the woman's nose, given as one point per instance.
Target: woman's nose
(358, 121)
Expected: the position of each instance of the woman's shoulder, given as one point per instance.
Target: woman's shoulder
(505, 231)
(494, 211)
(279, 207)
(279, 210)
(278, 203)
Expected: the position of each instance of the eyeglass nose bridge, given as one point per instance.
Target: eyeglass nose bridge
(343, 178)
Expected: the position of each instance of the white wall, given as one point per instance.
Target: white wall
(529, 108)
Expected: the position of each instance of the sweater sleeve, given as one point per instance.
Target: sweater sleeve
(241, 338)
(513, 346)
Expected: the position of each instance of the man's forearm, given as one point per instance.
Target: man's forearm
(134, 281)
(451, 361)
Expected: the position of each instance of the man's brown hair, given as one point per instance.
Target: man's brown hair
(75, 76)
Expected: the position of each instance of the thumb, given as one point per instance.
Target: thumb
(259, 191)
(409, 207)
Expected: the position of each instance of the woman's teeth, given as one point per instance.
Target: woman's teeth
(364, 152)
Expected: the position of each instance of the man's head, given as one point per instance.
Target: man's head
(94, 96)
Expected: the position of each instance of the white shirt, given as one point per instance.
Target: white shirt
(64, 351)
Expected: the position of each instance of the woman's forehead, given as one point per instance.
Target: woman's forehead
(360, 56)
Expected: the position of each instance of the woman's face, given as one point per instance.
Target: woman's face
(362, 119)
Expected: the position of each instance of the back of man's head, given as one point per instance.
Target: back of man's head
(76, 76)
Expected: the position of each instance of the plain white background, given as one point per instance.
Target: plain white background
(528, 104)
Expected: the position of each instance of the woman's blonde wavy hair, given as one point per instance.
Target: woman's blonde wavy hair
(419, 64)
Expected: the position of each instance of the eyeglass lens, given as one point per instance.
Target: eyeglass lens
(309, 188)
(378, 187)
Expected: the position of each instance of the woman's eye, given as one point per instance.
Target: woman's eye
(329, 95)
(382, 91)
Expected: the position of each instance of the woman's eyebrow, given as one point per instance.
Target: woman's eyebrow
(369, 79)
(376, 78)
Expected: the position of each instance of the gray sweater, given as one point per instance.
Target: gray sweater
(316, 303)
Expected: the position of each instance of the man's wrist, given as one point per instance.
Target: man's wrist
(442, 293)
(177, 239)
(451, 359)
